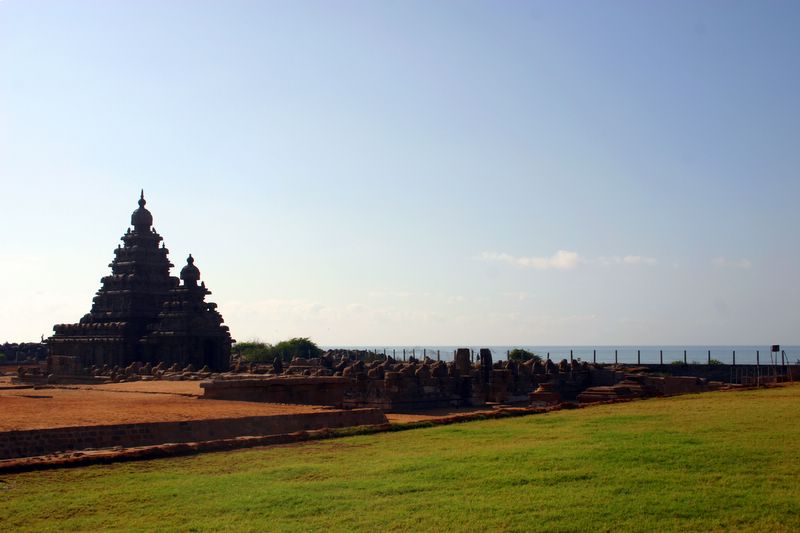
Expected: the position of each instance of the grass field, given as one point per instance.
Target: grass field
(718, 461)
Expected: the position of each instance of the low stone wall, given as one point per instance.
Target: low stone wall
(305, 390)
(29, 443)
(725, 373)
(644, 386)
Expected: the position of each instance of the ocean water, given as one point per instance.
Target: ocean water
(745, 354)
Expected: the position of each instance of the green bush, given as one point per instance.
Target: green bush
(262, 352)
(253, 351)
(520, 355)
(715, 362)
(301, 347)
(677, 362)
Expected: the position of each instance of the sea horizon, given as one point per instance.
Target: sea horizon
(645, 354)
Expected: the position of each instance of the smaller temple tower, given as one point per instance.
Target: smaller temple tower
(189, 329)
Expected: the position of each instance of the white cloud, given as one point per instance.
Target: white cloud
(300, 311)
(561, 260)
(639, 260)
(626, 260)
(722, 262)
(390, 294)
(565, 260)
(519, 296)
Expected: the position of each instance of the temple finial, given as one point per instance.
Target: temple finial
(141, 219)
(190, 273)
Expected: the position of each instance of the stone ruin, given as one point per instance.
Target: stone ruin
(428, 384)
(66, 370)
(399, 385)
(645, 386)
(23, 352)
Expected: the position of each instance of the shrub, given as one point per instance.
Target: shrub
(261, 352)
(519, 354)
(302, 347)
(677, 362)
(714, 362)
(253, 351)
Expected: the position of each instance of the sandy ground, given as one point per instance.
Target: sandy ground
(87, 406)
(188, 388)
(147, 401)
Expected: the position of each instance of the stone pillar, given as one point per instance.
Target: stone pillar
(486, 364)
(463, 361)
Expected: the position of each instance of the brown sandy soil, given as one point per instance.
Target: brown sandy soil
(156, 386)
(150, 401)
(55, 407)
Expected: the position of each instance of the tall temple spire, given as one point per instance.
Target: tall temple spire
(141, 313)
(141, 219)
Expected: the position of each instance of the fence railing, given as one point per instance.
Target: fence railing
(609, 355)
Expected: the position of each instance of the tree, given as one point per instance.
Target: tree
(520, 355)
(261, 352)
(253, 351)
(301, 347)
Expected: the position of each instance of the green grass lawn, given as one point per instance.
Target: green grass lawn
(718, 461)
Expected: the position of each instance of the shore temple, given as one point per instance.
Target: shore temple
(141, 313)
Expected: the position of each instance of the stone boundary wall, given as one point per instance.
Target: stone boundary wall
(722, 372)
(30, 443)
(307, 390)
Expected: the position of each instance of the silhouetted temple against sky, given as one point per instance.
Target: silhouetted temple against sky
(141, 313)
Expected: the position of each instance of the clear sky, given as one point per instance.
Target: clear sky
(433, 172)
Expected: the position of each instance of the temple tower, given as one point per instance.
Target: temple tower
(128, 304)
(189, 329)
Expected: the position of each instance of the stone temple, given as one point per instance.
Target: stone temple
(141, 313)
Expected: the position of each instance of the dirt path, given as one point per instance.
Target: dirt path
(89, 406)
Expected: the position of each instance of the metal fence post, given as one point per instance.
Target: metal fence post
(758, 369)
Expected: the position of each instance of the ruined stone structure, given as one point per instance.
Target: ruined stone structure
(141, 313)
(402, 386)
(25, 351)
